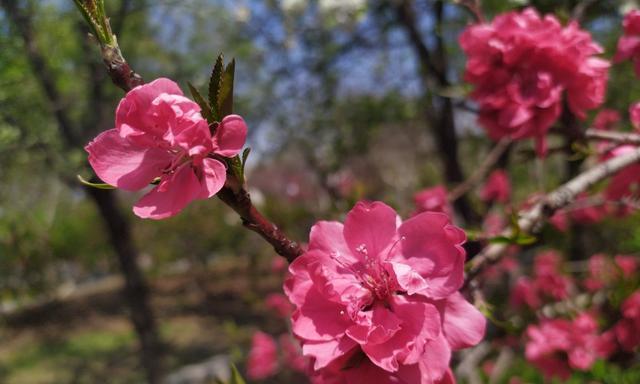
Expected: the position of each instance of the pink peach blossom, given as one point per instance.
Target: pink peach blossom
(606, 119)
(548, 279)
(629, 43)
(559, 346)
(625, 184)
(634, 115)
(497, 188)
(582, 211)
(628, 265)
(292, 354)
(628, 329)
(376, 299)
(524, 66)
(160, 133)
(524, 293)
(263, 357)
(279, 304)
(433, 200)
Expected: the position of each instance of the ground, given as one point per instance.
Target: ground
(88, 337)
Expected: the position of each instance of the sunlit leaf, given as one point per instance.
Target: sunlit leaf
(95, 185)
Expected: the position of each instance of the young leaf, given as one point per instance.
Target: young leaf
(205, 107)
(94, 185)
(225, 97)
(245, 156)
(236, 378)
(215, 83)
(236, 166)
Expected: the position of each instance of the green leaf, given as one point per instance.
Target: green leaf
(245, 156)
(518, 239)
(207, 112)
(95, 185)
(524, 239)
(236, 167)
(225, 97)
(500, 240)
(215, 83)
(236, 378)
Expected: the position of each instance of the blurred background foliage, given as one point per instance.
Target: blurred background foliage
(333, 97)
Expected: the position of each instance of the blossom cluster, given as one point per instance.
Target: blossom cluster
(557, 346)
(547, 283)
(523, 66)
(629, 43)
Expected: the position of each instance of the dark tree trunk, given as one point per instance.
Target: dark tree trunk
(135, 291)
(439, 110)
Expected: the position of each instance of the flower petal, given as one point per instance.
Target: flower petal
(463, 324)
(324, 352)
(230, 136)
(214, 175)
(369, 228)
(319, 319)
(433, 249)
(171, 196)
(131, 114)
(119, 162)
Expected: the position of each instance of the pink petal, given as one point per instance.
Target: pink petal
(171, 196)
(214, 177)
(123, 164)
(408, 279)
(432, 247)
(327, 236)
(319, 319)
(369, 228)
(463, 324)
(382, 325)
(324, 352)
(420, 323)
(435, 360)
(134, 106)
(263, 357)
(627, 47)
(230, 136)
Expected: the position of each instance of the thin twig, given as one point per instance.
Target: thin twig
(580, 9)
(614, 137)
(531, 219)
(482, 171)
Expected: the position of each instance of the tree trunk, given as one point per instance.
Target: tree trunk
(135, 289)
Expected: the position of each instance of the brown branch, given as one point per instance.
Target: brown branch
(580, 9)
(234, 193)
(530, 220)
(482, 171)
(614, 137)
(239, 200)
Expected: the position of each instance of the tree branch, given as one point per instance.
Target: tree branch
(482, 171)
(439, 112)
(530, 220)
(614, 137)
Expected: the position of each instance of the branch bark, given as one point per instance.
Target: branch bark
(531, 219)
(614, 137)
